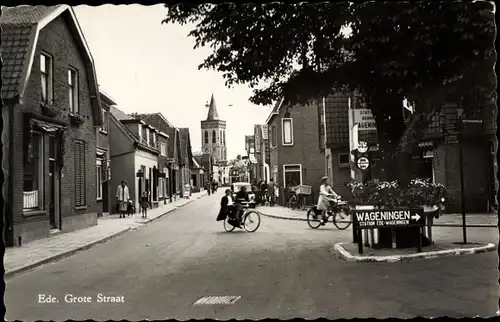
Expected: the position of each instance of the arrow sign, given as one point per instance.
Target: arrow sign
(416, 217)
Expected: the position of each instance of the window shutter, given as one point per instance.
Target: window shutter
(79, 173)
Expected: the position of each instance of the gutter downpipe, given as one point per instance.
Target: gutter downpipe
(9, 230)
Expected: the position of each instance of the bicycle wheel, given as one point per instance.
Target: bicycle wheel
(251, 222)
(313, 220)
(342, 219)
(292, 202)
(227, 226)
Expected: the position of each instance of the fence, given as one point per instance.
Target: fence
(30, 199)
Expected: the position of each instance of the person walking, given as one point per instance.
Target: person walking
(122, 196)
(271, 187)
(144, 204)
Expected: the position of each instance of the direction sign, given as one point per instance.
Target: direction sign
(363, 163)
(387, 218)
(362, 146)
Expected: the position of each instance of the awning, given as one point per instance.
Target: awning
(46, 127)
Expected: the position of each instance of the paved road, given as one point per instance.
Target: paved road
(283, 270)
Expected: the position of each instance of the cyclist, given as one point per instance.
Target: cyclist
(241, 196)
(327, 198)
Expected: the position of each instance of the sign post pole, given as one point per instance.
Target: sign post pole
(461, 165)
(360, 240)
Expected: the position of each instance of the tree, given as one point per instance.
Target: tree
(430, 52)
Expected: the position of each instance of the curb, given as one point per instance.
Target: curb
(282, 217)
(71, 252)
(68, 253)
(153, 219)
(341, 252)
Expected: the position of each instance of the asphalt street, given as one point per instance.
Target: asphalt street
(284, 270)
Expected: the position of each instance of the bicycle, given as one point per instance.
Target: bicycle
(340, 213)
(250, 217)
(298, 197)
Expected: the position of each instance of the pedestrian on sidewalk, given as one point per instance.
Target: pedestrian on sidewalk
(144, 204)
(272, 191)
(122, 196)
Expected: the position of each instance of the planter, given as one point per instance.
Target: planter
(50, 111)
(76, 119)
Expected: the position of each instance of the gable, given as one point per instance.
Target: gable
(23, 25)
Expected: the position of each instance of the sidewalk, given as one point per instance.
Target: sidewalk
(484, 219)
(42, 251)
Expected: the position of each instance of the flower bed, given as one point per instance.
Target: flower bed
(390, 195)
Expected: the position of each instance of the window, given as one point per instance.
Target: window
(206, 137)
(144, 137)
(163, 148)
(224, 136)
(47, 80)
(33, 175)
(104, 127)
(79, 173)
(287, 135)
(214, 137)
(274, 136)
(99, 179)
(292, 175)
(160, 187)
(73, 90)
(344, 160)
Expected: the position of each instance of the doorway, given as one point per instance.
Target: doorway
(54, 185)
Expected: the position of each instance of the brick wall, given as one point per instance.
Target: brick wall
(305, 150)
(56, 40)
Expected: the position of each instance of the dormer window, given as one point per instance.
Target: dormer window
(147, 136)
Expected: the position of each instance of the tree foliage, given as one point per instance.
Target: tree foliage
(428, 51)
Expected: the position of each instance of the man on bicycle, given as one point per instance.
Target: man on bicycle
(327, 198)
(241, 196)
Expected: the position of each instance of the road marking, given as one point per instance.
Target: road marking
(217, 300)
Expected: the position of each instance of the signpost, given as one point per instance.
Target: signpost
(387, 218)
(452, 136)
(365, 119)
(363, 163)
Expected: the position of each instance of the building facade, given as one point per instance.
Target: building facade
(51, 111)
(213, 131)
(103, 161)
(172, 160)
(134, 157)
(432, 159)
(296, 152)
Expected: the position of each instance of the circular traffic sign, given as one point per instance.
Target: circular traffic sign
(363, 163)
(362, 147)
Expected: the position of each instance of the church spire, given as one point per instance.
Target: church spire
(212, 110)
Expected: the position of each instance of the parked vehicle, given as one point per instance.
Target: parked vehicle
(235, 187)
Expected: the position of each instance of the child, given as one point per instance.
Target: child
(144, 204)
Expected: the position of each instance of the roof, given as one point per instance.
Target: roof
(107, 98)
(119, 114)
(21, 27)
(185, 142)
(212, 110)
(276, 110)
(161, 123)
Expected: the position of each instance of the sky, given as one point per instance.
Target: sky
(149, 67)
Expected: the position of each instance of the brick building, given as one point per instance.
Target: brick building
(261, 150)
(51, 112)
(296, 153)
(186, 158)
(433, 158)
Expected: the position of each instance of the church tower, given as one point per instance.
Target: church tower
(213, 134)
